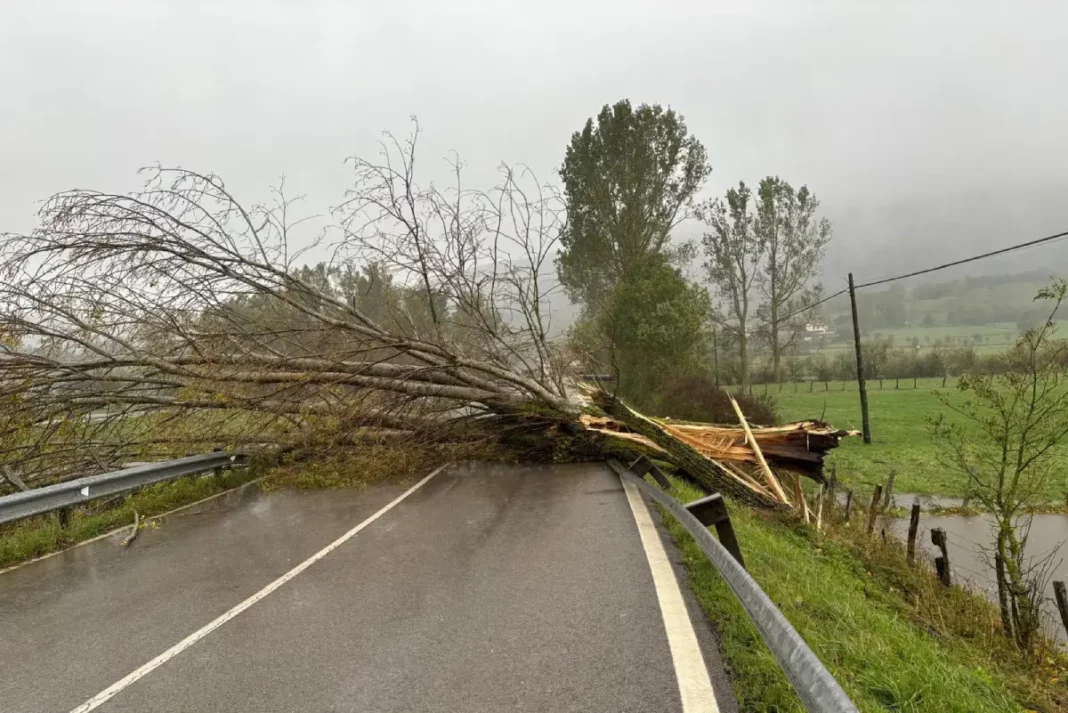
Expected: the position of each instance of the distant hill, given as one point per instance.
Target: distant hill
(1001, 301)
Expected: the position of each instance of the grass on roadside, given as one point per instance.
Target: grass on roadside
(41, 535)
(893, 638)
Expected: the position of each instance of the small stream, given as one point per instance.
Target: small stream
(968, 537)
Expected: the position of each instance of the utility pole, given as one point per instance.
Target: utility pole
(866, 424)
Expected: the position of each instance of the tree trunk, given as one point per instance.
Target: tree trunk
(715, 357)
(1025, 618)
(1003, 596)
(776, 353)
(743, 353)
(705, 472)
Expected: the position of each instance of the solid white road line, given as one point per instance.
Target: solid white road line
(109, 692)
(695, 687)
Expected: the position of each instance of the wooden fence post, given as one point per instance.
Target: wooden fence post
(888, 494)
(938, 539)
(849, 504)
(1062, 601)
(914, 526)
(874, 509)
(832, 490)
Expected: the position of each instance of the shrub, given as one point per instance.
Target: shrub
(696, 398)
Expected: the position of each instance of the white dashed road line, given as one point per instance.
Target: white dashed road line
(139, 673)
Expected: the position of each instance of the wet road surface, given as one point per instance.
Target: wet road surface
(488, 588)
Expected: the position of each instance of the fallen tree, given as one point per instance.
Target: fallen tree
(181, 309)
(179, 318)
(749, 464)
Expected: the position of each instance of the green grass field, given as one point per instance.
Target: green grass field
(901, 438)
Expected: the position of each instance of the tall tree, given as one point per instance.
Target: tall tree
(733, 253)
(794, 242)
(629, 178)
(656, 323)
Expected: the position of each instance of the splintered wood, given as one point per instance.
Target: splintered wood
(750, 462)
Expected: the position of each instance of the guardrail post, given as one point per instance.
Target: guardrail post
(64, 518)
(713, 511)
(219, 471)
(643, 465)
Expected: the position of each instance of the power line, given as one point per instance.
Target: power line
(804, 309)
(811, 306)
(1002, 251)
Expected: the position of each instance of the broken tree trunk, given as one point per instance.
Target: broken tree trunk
(702, 469)
(751, 440)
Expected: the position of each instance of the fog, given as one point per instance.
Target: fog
(929, 130)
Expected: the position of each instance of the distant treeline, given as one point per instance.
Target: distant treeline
(882, 360)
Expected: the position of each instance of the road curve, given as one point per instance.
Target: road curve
(488, 588)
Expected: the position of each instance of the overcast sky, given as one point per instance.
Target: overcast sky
(929, 130)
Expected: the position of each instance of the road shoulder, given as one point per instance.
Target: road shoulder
(707, 637)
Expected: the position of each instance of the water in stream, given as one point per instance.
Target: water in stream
(968, 536)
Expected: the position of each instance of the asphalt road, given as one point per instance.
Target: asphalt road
(485, 589)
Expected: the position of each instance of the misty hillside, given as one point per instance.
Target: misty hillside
(984, 309)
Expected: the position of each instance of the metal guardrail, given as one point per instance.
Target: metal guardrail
(814, 684)
(37, 501)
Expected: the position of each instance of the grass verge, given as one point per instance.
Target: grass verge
(41, 535)
(892, 636)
